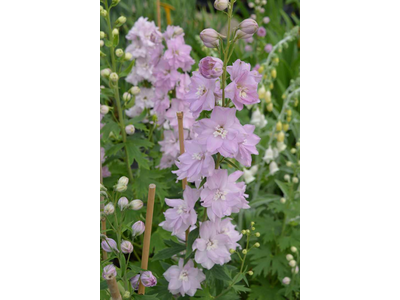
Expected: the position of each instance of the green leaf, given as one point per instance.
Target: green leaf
(231, 163)
(103, 285)
(114, 149)
(219, 273)
(126, 72)
(241, 288)
(146, 297)
(283, 186)
(169, 252)
(146, 177)
(110, 126)
(193, 235)
(203, 182)
(134, 153)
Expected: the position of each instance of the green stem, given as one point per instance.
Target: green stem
(116, 95)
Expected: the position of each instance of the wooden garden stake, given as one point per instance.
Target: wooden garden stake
(158, 15)
(179, 114)
(167, 7)
(147, 231)
(113, 287)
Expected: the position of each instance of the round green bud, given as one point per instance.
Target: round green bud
(231, 251)
(102, 35)
(250, 273)
(243, 231)
(244, 251)
(257, 245)
(258, 234)
(115, 31)
(119, 52)
(121, 20)
(114, 77)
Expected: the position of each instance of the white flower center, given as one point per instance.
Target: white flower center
(220, 131)
(243, 91)
(197, 156)
(184, 276)
(201, 90)
(181, 209)
(212, 244)
(219, 195)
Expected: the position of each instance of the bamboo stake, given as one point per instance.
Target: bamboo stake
(179, 114)
(113, 287)
(147, 232)
(103, 219)
(158, 14)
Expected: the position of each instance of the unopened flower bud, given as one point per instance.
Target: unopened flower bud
(119, 52)
(221, 4)
(289, 257)
(295, 180)
(128, 56)
(253, 228)
(270, 107)
(211, 67)
(130, 129)
(243, 231)
(115, 32)
(247, 231)
(273, 73)
(287, 177)
(292, 263)
(268, 96)
(285, 127)
(123, 203)
(114, 77)
(266, 20)
(126, 247)
(231, 251)
(250, 273)
(286, 280)
(279, 126)
(126, 295)
(101, 43)
(243, 35)
(123, 180)
(109, 209)
(257, 234)
(121, 20)
(103, 13)
(262, 92)
(251, 4)
(289, 112)
(126, 96)
(105, 72)
(283, 200)
(109, 245)
(289, 164)
(248, 26)
(104, 109)
(109, 272)
(257, 245)
(298, 144)
(293, 150)
(293, 249)
(102, 35)
(138, 228)
(281, 136)
(295, 270)
(136, 204)
(135, 90)
(244, 251)
(210, 38)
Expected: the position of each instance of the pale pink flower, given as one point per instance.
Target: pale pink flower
(211, 67)
(184, 279)
(225, 226)
(247, 142)
(183, 86)
(180, 106)
(182, 214)
(178, 54)
(195, 162)
(221, 193)
(212, 247)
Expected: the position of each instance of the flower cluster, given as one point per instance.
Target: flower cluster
(159, 56)
(215, 137)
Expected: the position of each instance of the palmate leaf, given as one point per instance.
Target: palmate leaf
(158, 238)
(136, 155)
(262, 261)
(145, 177)
(169, 252)
(265, 292)
(279, 265)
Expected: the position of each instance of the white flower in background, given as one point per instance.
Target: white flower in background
(104, 109)
(130, 129)
(270, 154)
(286, 280)
(258, 119)
(287, 177)
(273, 168)
(123, 203)
(136, 204)
(251, 4)
(248, 176)
(281, 146)
(292, 263)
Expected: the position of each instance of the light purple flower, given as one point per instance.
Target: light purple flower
(201, 94)
(225, 226)
(109, 272)
(248, 48)
(195, 162)
(178, 54)
(161, 104)
(183, 86)
(166, 76)
(211, 67)
(123, 203)
(105, 172)
(221, 193)
(167, 161)
(212, 247)
(219, 132)
(268, 48)
(243, 88)
(138, 228)
(145, 99)
(135, 282)
(180, 106)
(109, 245)
(126, 247)
(184, 279)
(134, 111)
(249, 40)
(247, 142)
(173, 32)
(210, 38)
(256, 67)
(182, 214)
(170, 144)
(261, 31)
